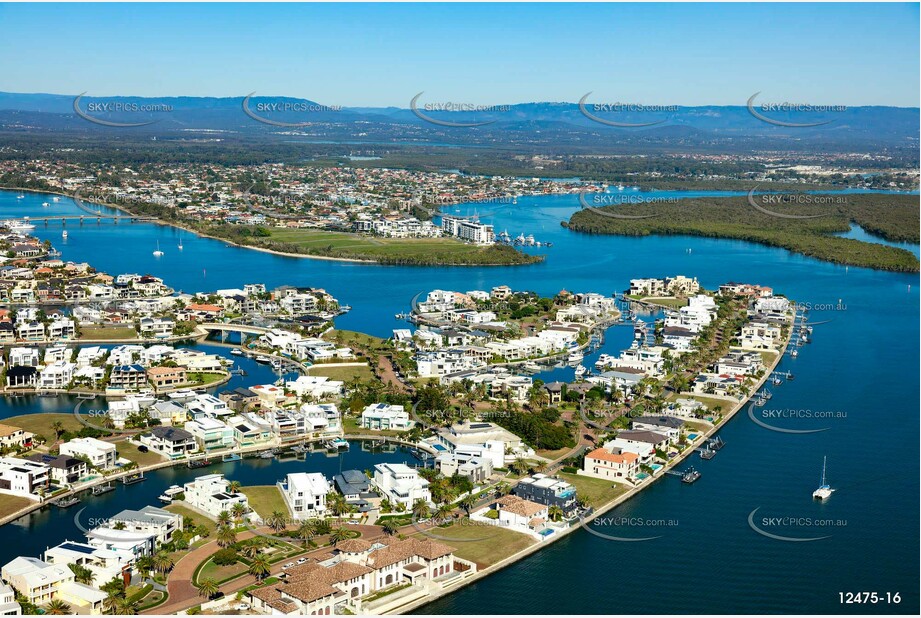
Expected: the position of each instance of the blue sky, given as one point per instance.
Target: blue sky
(377, 55)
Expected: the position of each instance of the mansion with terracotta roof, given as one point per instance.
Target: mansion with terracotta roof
(356, 568)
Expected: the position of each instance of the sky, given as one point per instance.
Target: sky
(382, 55)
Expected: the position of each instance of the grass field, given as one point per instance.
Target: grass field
(265, 499)
(11, 504)
(130, 451)
(342, 373)
(107, 332)
(483, 544)
(596, 491)
(355, 339)
(196, 517)
(41, 424)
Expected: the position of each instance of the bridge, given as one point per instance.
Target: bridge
(82, 218)
(233, 328)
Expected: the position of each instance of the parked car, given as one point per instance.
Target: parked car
(302, 560)
(288, 566)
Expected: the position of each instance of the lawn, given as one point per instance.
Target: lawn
(350, 425)
(107, 332)
(195, 517)
(11, 504)
(354, 339)
(670, 302)
(220, 573)
(596, 491)
(483, 544)
(345, 374)
(130, 451)
(200, 379)
(265, 499)
(40, 424)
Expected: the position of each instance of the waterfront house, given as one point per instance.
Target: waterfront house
(758, 335)
(158, 327)
(24, 357)
(315, 387)
(166, 377)
(548, 491)
(681, 339)
(14, 437)
(211, 493)
(8, 604)
(401, 484)
(105, 564)
(128, 377)
(659, 441)
(210, 433)
(169, 441)
(7, 332)
(382, 416)
(21, 377)
(24, 478)
(63, 470)
(35, 580)
(615, 465)
(162, 524)
(520, 514)
(476, 469)
(250, 429)
(305, 494)
(56, 375)
(644, 450)
(355, 487)
(101, 455)
(667, 425)
(90, 355)
(287, 424)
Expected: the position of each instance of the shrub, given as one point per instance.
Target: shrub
(225, 557)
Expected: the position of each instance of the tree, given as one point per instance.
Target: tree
(58, 428)
(223, 518)
(555, 512)
(338, 535)
(259, 567)
(238, 510)
(421, 509)
(467, 503)
(57, 607)
(162, 562)
(390, 527)
(82, 575)
(306, 531)
(253, 547)
(208, 588)
(234, 487)
(277, 521)
(226, 536)
(145, 565)
(443, 512)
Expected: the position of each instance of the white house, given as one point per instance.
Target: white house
(211, 494)
(100, 454)
(305, 494)
(401, 484)
(381, 416)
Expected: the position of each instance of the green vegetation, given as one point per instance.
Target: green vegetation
(11, 504)
(402, 251)
(53, 426)
(130, 451)
(107, 332)
(595, 492)
(265, 500)
(345, 374)
(484, 544)
(190, 515)
(893, 217)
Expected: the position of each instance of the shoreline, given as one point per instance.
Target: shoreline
(158, 221)
(632, 492)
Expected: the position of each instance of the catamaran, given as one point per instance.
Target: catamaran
(824, 491)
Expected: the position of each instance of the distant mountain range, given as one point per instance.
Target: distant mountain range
(534, 124)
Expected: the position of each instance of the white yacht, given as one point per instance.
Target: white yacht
(824, 491)
(581, 371)
(45, 204)
(158, 253)
(55, 199)
(64, 234)
(575, 356)
(19, 226)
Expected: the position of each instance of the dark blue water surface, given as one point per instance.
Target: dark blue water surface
(863, 363)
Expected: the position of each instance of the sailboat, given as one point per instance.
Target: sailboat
(158, 253)
(824, 490)
(180, 243)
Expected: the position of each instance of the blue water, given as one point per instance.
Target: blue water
(863, 362)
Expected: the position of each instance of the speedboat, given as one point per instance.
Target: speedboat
(575, 357)
(237, 352)
(581, 371)
(64, 234)
(170, 494)
(45, 204)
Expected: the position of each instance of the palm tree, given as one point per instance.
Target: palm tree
(110, 603)
(208, 587)
(57, 607)
(443, 512)
(234, 487)
(145, 565)
(390, 527)
(259, 567)
(467, 503)
(238, 511)
(58, 428)
(277, 521)
(223, 518)
(226, 536)
(252, 549)
(421, 509)
(124, 607)
(339, 534)
(520, 465)
(306, 531)
(162, 562)
(555, 512)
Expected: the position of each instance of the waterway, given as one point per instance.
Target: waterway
(862, 366)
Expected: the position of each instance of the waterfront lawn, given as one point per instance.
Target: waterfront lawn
(200, 378)
(498, 544)
(130, 451)
(41, 424)
(354, 339)
(596, 491)
(710, 402)
(670, 301)
(345, 374)
(265, 499)
(351, 426)
(390, 250)
(11, 504)
(107, 332)
(197, 518)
